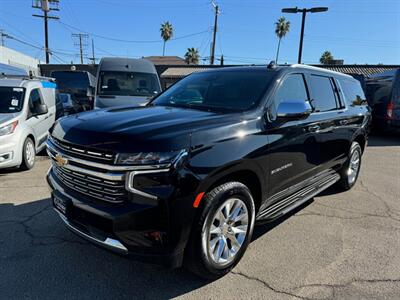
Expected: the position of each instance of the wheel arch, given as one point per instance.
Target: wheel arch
(249, 176)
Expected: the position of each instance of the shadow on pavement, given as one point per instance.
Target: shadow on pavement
(40, 258)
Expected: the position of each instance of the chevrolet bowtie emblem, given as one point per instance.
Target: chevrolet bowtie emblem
(61, 161)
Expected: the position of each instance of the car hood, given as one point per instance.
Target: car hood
(137, 129)
(5, 118)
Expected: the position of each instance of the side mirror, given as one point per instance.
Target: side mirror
(294, 110)
(41, 109)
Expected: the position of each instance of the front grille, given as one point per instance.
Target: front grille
(83, 152)
(99, 188)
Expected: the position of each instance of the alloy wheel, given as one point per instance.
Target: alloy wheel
(225, 235)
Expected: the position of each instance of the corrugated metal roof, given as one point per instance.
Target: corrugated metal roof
(177, 72)
(365, 70)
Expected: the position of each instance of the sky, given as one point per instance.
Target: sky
(358, 31)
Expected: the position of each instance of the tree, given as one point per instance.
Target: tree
(282, 27)
(167, 32)
(326, 58)
(192, 56)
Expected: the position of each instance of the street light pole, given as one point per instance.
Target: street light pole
(304, 11)
(303, 22)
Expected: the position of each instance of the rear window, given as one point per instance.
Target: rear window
(71, 80)
(323, 94)
(11, 99)
(128, 84)
(353, 92)
(379, 91)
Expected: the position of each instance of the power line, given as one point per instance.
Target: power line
(130, 41)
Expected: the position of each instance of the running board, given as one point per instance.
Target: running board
(286, 205)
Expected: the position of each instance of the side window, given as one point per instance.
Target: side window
(292, 89)
(34, 101)
(323, 93)
(353, 93)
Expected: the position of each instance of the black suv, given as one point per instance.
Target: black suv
(184, 179)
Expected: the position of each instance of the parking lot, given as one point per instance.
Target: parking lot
(340, 245)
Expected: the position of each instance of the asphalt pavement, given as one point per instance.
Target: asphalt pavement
(337, 246)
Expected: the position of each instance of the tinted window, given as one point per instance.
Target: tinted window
(353, 92)
(323, 94)
(11, 99)
(34, 100)
(226, 90)
(292, 89)
(379, 91)
(71, 80)
(128, 84)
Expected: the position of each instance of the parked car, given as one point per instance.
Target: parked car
(27, 111)
(80, 85)
(383, 95)
(185, 178)
(124, 81)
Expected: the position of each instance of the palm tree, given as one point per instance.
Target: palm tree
(282, 27)
(192, 56)
(167, 32)
(326, 58)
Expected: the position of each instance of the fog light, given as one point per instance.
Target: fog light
(6, 156)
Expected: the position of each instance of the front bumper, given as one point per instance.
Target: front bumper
(10, 152)
(140, 230)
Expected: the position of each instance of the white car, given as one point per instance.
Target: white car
(27, 112)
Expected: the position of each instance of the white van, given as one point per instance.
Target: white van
(125, 81)
(27, 112)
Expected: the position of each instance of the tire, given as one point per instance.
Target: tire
(228, 239)
(351, 169)
(28, 155)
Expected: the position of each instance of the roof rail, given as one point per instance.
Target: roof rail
(26, 77)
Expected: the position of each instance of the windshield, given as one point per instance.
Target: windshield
(128, 84)
(71, 80)
(11, 99)
(236, 90)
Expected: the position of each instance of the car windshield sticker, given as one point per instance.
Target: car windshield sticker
(18, 89)
(14, 102)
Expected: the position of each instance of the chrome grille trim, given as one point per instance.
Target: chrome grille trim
(84, 152)
(82, 183)
(53, 148)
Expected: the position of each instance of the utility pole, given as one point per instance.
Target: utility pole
(46, 6)
(93, 59)
(217, 12)
(81, 42)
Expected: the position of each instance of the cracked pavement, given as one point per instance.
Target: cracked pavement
(338, 246)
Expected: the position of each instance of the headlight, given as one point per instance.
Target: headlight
(8, 129)
(147, 158)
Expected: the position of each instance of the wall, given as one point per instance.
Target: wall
(17, 59)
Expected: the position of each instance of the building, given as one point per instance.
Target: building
(17, 59)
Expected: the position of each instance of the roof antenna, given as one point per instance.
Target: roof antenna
(271, 65)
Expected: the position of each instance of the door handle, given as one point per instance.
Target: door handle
(343, 122)
(314, 128)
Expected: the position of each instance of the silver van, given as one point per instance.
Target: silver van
(27, 112)
(125, 81)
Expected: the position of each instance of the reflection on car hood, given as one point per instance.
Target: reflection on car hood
(135, 129)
